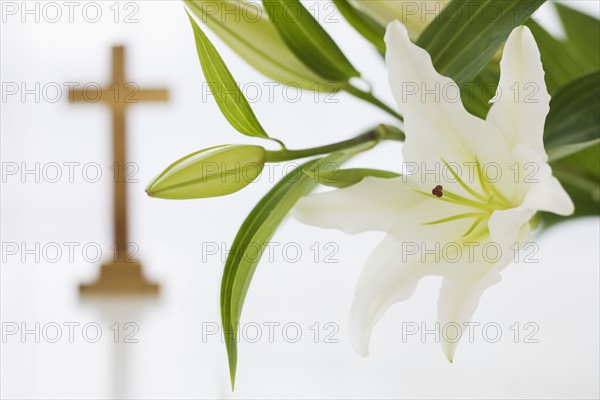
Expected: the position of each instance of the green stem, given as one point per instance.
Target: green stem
(370, 98)
(382, 132)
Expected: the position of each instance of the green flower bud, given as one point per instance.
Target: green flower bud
(246, 29)
(212, 172)
(414, 15)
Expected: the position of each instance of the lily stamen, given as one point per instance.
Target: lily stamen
(455, 218)
(463, 184)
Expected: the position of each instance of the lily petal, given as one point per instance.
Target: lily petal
(545, 194)
(505, 225)
(523, 99)
(459, 297)
(384, 281)
(371, 205)
(436, 123)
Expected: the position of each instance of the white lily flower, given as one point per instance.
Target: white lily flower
(492, 178)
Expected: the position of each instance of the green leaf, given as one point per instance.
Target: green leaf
(255, 232)
(365, 25)
(583, 32)
(331, 175)
(572, 139)
(466, 34)
(308, 40)
(561, 62)
(246, 29)
(565, 150)
(477, 92)
(579, 174)
(212, 172)
(229, 97)
(573, 122)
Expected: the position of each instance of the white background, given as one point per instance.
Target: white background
(559, 294)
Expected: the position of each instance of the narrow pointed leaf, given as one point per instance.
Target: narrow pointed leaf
(573, 122)
(308, 40)
(365, 25)
(229, 97)
(341, 178)
(255, 232)
(583, 32)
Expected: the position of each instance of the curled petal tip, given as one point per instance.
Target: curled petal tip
(359, 339)
(363, 354)
(361, 349)
(449, 351)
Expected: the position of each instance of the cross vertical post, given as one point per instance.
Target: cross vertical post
(119, 153)
(121, 274)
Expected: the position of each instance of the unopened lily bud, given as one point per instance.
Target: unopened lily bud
(414, 15)
(246, 29)
(212, 172)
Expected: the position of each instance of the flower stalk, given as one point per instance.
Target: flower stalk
(369, 97)
(382, 132)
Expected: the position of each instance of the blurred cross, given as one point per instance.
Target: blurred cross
(120, 275)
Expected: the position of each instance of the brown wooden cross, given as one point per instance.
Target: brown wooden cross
(122, 275)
